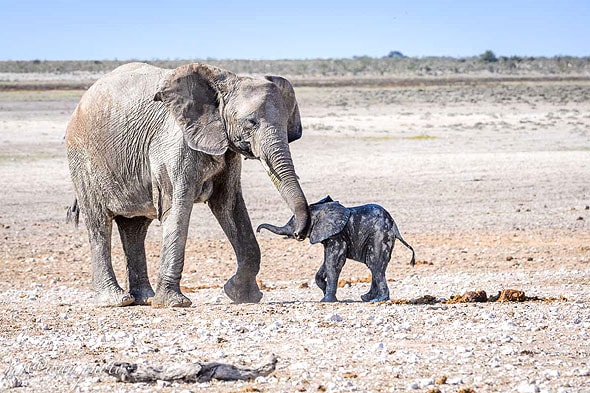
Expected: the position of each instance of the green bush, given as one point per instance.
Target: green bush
(488, 57)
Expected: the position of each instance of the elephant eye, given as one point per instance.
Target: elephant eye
(250, 124)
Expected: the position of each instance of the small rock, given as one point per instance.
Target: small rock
(425, 382)
(402, 327)
(412, 386)
(551, 373)
(273, 326)
(10, 382)
(43, 326)
(299, 366)
(526, 387)
(162, 384)
(334, 318)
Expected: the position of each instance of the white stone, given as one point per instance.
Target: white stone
(402, 327)
(552, 373)
(334, 318)
(299, 366)
(454, 381)
(162, 384)
(525, 387)
(424, 382)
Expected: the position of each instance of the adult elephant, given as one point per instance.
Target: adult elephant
(146, 143)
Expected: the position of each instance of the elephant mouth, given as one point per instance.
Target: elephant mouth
(244, 148)
(249, 156)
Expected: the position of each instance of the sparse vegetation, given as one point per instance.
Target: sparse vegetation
(395, 54)
(488, 57)
(394, 64)
(421, 137)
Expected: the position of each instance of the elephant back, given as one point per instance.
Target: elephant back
(115, 103)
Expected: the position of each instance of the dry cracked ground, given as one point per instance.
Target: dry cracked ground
(490, 182)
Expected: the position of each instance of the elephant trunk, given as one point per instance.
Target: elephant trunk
(284, 230)
(276, 158)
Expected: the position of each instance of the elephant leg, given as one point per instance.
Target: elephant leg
(133, 232)
(107, 291)
(232, 215)
(372, 291)
(377, 260)
(334, 259)
(175, 232)
(320, 278)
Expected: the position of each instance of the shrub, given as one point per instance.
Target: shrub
(488, 57)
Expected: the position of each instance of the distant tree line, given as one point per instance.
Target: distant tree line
(395, 64)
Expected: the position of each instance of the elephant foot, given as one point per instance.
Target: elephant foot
(113, 298)
(242, 292)
(168, 298)
(377, 299)
(329, 299)
(367, 297)
(142, 295)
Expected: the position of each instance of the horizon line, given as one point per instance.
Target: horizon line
(355, 57)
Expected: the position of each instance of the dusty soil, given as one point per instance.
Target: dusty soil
(490, 182)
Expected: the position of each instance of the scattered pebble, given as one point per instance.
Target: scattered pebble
(334, 317)
(525, 387)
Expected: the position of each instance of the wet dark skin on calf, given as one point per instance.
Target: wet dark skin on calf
(364, 233)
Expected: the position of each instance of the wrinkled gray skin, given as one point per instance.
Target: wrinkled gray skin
(146, 143)
(363, 233)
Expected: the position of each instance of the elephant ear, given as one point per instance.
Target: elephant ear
(325, 199)
(192, 94)
(294, 129)
(328, 219)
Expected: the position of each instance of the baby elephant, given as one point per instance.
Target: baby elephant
(363, 233)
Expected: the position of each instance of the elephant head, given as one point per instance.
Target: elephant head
(328, 218)
(256, 117)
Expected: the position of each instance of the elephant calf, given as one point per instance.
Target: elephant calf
(364, 233)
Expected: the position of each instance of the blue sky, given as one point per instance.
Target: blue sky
(304, 29)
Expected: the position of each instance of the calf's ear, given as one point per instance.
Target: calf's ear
(327, 220)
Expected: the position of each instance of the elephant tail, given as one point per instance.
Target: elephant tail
(73, 214)
(401, 239)
(413, 261)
